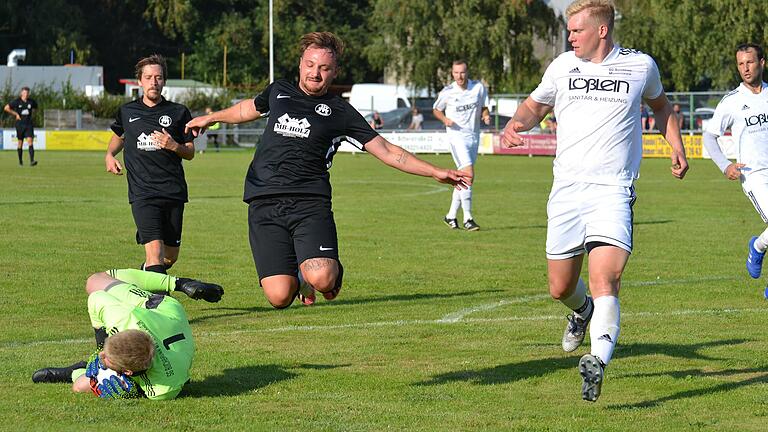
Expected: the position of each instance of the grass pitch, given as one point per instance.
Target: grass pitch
(434, 330)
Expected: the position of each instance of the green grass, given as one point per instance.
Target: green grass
(385, 355)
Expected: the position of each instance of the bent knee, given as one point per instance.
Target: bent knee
(321, 281)
(94, 282)
(280, 301)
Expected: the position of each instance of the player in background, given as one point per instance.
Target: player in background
(151, 131)
(743, 112)
(141, 332)
(291, 226)
(460, 106)
(22, 108)
(596, 91)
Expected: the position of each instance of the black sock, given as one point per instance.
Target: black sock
(157, 268)
(31, 154)
(21, 154)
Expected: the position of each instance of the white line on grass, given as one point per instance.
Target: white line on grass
(461, 314)
(402, 323)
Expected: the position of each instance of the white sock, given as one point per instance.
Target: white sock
(455, 204)
(578, 301)
(761, 244)
(466, 202)
(604, 328)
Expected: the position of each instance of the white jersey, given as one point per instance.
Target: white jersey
(597, 106)
(746, 115)
(463, 106)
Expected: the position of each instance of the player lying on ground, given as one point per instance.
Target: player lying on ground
(144, 339)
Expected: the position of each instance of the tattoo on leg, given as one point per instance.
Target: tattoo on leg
(315, 264)
(403, 157)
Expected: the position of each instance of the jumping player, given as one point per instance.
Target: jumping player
(460, 106)
(141, 331)
(741, 111)
(151, 130)
(287, 187)
(596, 91)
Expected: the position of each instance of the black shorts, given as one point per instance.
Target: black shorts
(158, 219)
(24, 131)
(286, 231)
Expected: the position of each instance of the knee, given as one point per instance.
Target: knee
(280, 301)
(322, 281)
(93, 283)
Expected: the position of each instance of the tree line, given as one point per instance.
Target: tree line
(691, 40)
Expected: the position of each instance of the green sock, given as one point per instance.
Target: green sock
(149, 281)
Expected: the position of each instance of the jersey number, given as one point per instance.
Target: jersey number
(171, 339)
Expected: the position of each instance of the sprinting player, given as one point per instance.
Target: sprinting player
(460, 106)
(596, 91)
(151, 130)
(287, 187)
(141, 331)
(743, 112)
(22, 108)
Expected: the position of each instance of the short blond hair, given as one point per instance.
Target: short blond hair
(130, 350)
(602, 11)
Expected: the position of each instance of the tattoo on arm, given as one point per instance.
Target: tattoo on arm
(402, 157)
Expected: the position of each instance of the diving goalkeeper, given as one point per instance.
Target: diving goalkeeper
(142, 333)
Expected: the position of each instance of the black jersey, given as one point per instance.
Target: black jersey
(302, 135)
(24, 108)
(153, 172)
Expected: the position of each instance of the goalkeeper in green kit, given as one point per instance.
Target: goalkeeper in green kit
(144, 339)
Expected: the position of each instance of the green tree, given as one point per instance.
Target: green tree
(692, 41)
(419, 39)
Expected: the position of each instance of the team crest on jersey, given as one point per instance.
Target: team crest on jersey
(323, 109)
(144, 142)
(165, 121)
(291, 127)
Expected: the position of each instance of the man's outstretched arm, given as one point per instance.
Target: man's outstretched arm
(397, 157)
(241, 112)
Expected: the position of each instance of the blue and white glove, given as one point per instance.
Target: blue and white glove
(107, 383)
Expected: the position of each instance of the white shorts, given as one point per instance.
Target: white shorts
(755, 186)
(463, 148)
(582, 213)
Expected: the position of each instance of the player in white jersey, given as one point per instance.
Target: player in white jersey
(596, 91)
(745, 112)
(460, 106)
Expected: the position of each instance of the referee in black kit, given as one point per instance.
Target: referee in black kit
(151, 130)
(287, 187)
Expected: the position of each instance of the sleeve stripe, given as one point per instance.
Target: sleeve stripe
(344, 138)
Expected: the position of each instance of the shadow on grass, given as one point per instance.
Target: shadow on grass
(540, 367)
(760, 376)
(536, 227)
(237, 381)
(341, 302)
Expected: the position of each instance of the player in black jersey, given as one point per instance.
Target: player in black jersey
(21, 108)
(151, 130)
(287, 186)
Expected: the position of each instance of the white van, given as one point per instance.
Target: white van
(367, 98)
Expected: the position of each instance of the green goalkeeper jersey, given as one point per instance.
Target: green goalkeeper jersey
(125, 306)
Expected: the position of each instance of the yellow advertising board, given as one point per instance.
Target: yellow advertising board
(77, 140)
(655, 146)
